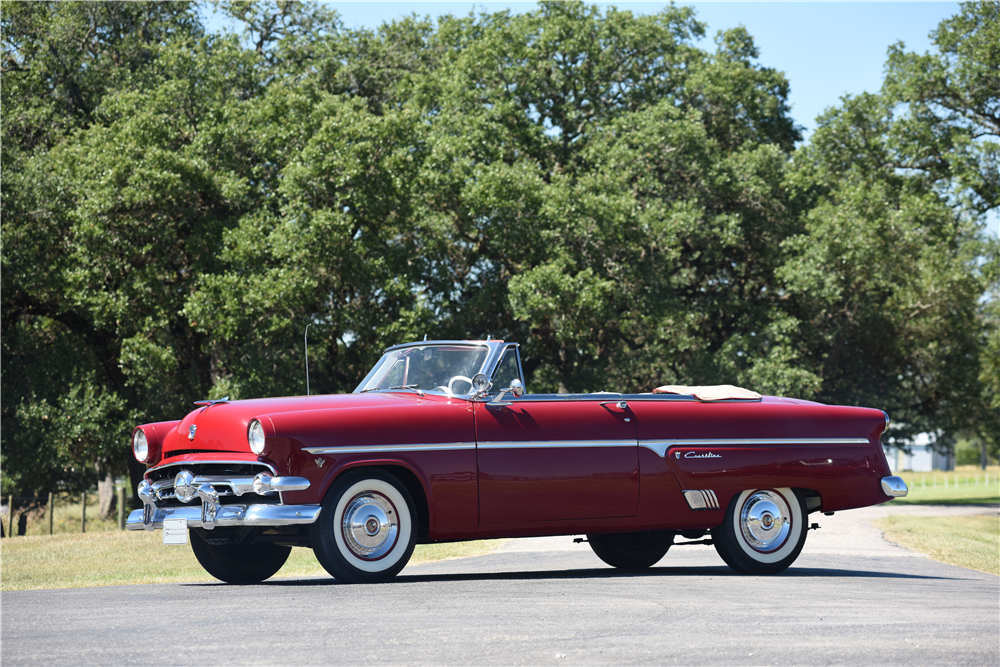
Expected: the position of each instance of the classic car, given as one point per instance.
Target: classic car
(440, 442)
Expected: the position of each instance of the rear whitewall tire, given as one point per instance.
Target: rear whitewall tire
(747, 545)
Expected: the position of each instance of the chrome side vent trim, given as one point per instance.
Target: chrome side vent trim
(701, 499)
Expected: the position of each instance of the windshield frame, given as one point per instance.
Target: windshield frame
(494, 348)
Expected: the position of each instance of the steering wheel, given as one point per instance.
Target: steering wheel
(451, 382)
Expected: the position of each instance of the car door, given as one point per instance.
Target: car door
(556, 457)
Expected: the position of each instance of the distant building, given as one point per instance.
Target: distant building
(922, 458)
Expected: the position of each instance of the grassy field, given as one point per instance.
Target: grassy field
(963, 486)
(118, 558)
(967, 541)
(972, 542)
(67, 517)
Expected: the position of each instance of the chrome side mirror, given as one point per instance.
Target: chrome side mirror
(515, 388)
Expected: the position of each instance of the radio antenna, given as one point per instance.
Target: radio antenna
(306, 339)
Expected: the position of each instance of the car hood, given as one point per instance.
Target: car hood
(222, 427)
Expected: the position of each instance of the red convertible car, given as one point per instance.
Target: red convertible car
(441, 443)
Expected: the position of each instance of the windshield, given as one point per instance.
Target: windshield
(442, 368)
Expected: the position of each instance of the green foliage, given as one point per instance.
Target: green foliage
(895, 275)
(632, 208)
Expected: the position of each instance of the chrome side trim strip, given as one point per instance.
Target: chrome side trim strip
(661, 446)
(228, 515)
(383, 449)
(556, 444)
(449, 446)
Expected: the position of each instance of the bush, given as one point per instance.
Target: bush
(968, 456)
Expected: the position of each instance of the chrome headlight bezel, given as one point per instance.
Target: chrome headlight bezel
(255, 437)
(140, 446)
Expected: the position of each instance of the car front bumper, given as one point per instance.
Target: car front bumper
(226, 515)
(210, 513)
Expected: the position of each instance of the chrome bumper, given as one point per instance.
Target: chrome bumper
(894, 487)
(185, 487)
(226, 515)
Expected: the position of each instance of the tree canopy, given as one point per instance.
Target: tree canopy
(633, 208)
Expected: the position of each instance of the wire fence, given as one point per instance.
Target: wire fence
(931, 481)
(59, 513)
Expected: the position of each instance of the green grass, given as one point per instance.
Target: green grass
(967, 541)
(119, 558)
(967, 485)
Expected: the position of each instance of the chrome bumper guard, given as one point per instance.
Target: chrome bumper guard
(227, 515)
(894, 487)
(186, 486)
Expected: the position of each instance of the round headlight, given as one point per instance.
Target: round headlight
(255, 436)
(139, 446)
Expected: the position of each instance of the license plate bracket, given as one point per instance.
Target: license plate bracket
(175, 531)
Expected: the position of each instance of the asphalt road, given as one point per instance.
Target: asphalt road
(851, 598)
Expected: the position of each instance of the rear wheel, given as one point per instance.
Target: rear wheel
(365, 531)
(763, 532)
(631, 551)
(239, 563)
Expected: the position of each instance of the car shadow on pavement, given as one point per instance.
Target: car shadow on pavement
(600, 573)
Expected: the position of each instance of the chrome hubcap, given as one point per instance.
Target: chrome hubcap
(764, 520)
(370, 525)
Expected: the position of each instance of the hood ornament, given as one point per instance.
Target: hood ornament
(209, 403)
(192, 429)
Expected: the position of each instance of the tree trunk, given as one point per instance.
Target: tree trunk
(136, 471)
(106, 496)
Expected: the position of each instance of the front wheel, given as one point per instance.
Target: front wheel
(238, 563)
(631, 551)
(365, 531)
(763, 532)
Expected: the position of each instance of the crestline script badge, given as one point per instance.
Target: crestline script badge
(694, 455)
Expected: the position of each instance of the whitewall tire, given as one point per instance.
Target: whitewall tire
(763, 532)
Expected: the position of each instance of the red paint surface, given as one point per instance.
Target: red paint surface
(549, 490)
(545, 484)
